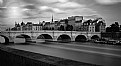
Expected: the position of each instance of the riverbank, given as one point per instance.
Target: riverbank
(14, 57)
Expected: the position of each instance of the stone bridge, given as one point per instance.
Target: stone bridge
(10, 36)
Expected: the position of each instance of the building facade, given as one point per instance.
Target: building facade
(27, 27)
(74, 21)
(37, 27)
(78, 23)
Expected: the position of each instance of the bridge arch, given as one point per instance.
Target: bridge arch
(81, 38)
(26, 37)
(44, 36)
(64, 38)
(5, 38)
(95, 37)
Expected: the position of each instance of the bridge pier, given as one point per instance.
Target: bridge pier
(72, 38)
(55, 38)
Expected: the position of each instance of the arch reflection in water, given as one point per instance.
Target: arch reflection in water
(44, 38)
(4, 39)
(95, 37)
(22, 39)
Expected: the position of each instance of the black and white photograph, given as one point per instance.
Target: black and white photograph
(60, 32)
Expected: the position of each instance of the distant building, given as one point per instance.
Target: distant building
(17, 27)
(97, 25)
(37, 27)
(46, 26)
(92, 27)
(57, 25)
(92, 17)
(23, 26)
(85, 26)
(63, 22)
(51, 25)
(78, 23)
(100, 26)
(27, 27)
(74, 20)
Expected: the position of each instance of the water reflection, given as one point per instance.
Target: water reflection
(19, 40)
(93, 58)
(2, 40)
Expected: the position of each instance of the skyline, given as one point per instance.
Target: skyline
(42, 10)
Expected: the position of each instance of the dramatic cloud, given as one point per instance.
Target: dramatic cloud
(30, 6)
(62, 1)
(108, 1)
(35, 8)
(82, 11)
(51, 9)
(44, 1)
(1, 1)
(18, 10)
(14, 12)
(69, 5)
(2, 12)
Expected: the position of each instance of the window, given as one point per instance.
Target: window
(36, 27)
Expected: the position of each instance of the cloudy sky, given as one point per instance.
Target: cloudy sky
(39, 10)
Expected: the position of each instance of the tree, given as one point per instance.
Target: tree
(62, 28)
(117, 24)
(120, 28)
(108, 29)
(113, 27)
(69, 28)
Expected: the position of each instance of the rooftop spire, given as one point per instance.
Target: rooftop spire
(52, 18)
(15, 23)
